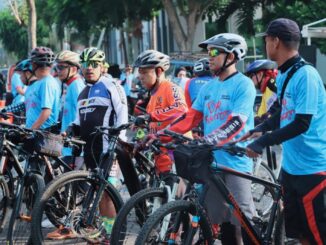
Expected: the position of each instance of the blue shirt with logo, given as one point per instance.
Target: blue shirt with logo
(217, 100)
(15, 82)
(44, 93)
(304, 94)
(70, 106)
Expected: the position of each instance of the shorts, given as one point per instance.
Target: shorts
(305, 206)
(218, 210)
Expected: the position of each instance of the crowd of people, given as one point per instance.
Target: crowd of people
(219, 98)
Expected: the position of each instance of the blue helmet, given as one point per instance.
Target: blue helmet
(24, 65)
(259, 65)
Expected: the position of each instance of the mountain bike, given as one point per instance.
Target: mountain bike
(75, 196)
(186, 222)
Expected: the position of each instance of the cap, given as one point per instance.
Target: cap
(284, 29)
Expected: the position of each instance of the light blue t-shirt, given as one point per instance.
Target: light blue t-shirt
(304, 94)
(70, 106)
(44, 93)
(217, 100)
(15, 82)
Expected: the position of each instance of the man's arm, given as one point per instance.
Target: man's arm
(300, 125)
(46, 112)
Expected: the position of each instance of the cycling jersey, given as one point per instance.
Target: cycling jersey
(74, 86)
(42, 94)
(165, 105)
(193, 87)
(304, 94)
(16, 82)
(218, 101)
(101, 104)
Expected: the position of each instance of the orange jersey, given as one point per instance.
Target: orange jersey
(166, 104)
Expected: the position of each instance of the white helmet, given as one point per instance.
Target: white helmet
(68, 57)
(229, 42)
(152, 58)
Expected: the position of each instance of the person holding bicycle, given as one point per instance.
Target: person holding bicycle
(300, 125)
(263, 73)
(101, 103)
(226, 107)
(166, 101)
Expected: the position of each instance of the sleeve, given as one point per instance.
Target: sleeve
(47, 94)
(187, 94)
(119, 101)
(306, 101)
(177, 105)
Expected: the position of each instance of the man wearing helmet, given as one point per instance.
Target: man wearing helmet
(226, 107)
(166, 102)
(42, 100)
(263, 74)
(101, 103)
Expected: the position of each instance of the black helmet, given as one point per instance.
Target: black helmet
(42, 56)
(201, 68)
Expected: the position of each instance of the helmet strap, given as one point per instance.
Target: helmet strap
(224, 66)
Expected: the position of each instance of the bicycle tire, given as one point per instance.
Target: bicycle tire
(263, 196)
(55, 185)
(31, 191)
(4, 201)
(187, 209)
(129, 211)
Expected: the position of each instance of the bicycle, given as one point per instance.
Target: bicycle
(29, 183)
(184, 220)
(139, 207)
(81, 192)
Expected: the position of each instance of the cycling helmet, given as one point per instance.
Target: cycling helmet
(68, 57)
(229, 42)
(259, 65)
(201, 67)
(152, 58)
(42, 56)
(24, 65)
(92, 54)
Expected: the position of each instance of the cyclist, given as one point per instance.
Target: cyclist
(263, 73)
(42, 99)
(166, 102)
(101, 103)
(203, 75)
(300, 126)
(226, 107)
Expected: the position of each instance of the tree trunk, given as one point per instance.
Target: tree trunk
(32, 40)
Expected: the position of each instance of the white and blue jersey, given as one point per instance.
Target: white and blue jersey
(16, 82)
(218, 100)
(44, 93)
(304, 94)
(74, 86)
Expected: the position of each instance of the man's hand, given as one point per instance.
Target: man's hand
(250, 135)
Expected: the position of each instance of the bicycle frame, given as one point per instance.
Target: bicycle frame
(244, 221)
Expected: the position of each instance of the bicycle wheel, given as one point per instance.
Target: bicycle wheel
(262, 195)
(62, 202)
(19, 229)
(134, 214)
(173, 224)
(279, 232)
(4, 201)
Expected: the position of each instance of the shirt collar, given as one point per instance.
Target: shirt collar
(290, 62)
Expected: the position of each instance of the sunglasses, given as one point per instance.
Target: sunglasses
(60, 67)
(93, 64)
(214, 52)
